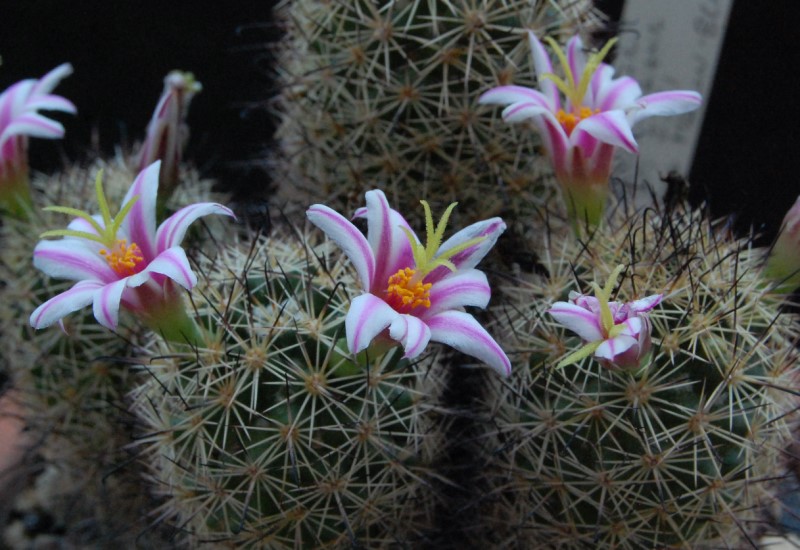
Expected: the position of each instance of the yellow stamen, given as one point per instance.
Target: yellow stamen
(406, 291)
(124, 259)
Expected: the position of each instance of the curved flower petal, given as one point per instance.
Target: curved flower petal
(611, 93)
(461, 331)
(172, 230)
(611, 348)
(171, 263)
(646, 304)
(675, 102)
(581, 321)
(368, 316)
(610, 127)
(106, 303)
(542, 65)
(389, 243)
(412, 333)
(140, 223)
(465, 288)
(49, 81)
(71, 259)
(507, 95)
(58, 307)
(34, 125)
(348, 237)
(52, 103)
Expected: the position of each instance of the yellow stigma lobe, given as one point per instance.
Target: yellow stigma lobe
(405, 291)
(124, 259)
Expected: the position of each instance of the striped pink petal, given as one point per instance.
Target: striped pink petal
(542, 65)
(171, 263)
(72, 259)
(610, 127)
(48, 82)
(462, 332)
(171, 232)
(581, 321)
(34, 125)
(58, 307)
(368, 316)
(140, 223)
(388, 241)
(467, 287)
(613, 347)
(488, 230)
(507, 95)
(348, 237)
(646, 304)
(412, 333)
(106, 303)
(675, 102)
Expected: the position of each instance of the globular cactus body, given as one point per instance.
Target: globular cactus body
(271, 434)
(683, 452)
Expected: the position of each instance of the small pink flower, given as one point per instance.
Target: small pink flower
(616, 333)
(415, 293)
(783, 262)
(20, 120)
(595, 116)
(167, 132)
(122, 260)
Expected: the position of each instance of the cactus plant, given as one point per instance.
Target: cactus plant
(384, 94)
(683, 451)
(270, 433)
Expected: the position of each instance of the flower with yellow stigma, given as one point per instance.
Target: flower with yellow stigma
(617, 334)
(123, 260)
(415, 292)
(583, 117)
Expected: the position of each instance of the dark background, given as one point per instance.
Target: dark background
(748, 156)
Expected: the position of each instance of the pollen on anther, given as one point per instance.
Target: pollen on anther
(124, 259)
(405, 293)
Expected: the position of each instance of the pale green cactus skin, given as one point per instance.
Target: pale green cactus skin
(686, 452)
(270, 434)
(384, 94)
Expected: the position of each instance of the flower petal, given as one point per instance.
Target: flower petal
(71, 259)
(388, 241)
(49, 81)
(52, 103)
(614, 93)
(412, 333)
(610, 127)
(468, 258)
(106, 303)
(140, 224)
(613, 347)
(542, 65)
(465, 288)
(348, 237)
(171, 232)
(171, 263)
(581, 321)
(58, 307)
(368, 316)
(461, 331)
(34, 125)
(675, 102)
(507, 95)
(646, 304)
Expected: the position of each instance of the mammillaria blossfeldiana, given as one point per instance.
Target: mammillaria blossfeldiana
(595, 116)
(167, 132)
(415, 293)
(19, 120)
(123, 260)
(618, 334)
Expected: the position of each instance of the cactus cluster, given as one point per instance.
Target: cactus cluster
(685, 451)
(270, 433)
(384, 94)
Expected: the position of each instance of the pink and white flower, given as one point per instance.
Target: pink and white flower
(582, 130)
(123, 260)
(616, 333)
(20, 120)
(415, 293)
(167, 132)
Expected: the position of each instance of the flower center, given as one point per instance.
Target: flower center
(124, 259)
(405, 291)
(569, 120)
